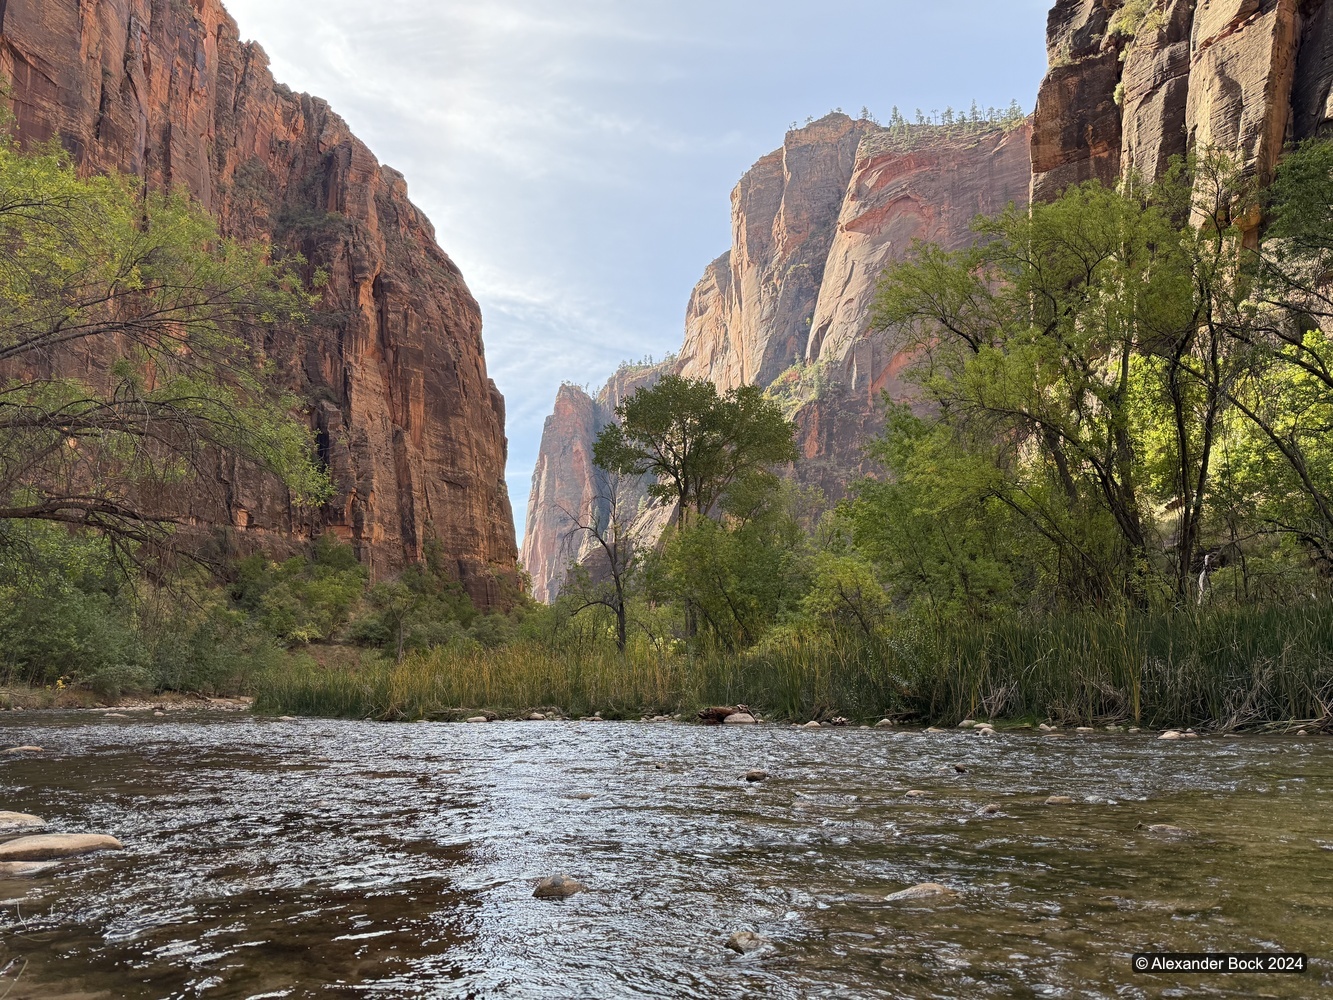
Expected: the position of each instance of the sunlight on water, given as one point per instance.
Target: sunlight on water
(315, 858)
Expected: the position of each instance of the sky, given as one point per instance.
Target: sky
(577, 156)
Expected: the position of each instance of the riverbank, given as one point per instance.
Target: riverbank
(1221, 669)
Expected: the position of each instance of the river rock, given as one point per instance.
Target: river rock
(1085, 729)
(989, 810)
(1046, 728)
(1171, 734)
(25, 869)
(936, 729)
(960, 769)
(1059, 800)
(744, 942)
(159, 714)
(557, 887)
(48, 847)
(926, 890)
(536, 717)
(753, 776)
(477, 720)
(740, 719)
(968, 724)
(884, 724)
(25, 750)
(917, 793)
(812, 725)
(12, 822)
(1166, 830)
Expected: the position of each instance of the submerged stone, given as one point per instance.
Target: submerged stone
(47, 847)
(753, 776)
(25, 750)
(557, 887)
(744, 942)
(926, 890)
(1059, 800)
(25, 869)
(11, 822)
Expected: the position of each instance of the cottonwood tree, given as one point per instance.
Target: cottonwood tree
(695, 443)
(131, 353)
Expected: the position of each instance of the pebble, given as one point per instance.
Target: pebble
(740, 719)
(926, 890)
(744, 942)
(1059, 800)
(48, 847)
(753, 776)
(25, 750)
(557, 887)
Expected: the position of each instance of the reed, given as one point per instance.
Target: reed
(1230, 667)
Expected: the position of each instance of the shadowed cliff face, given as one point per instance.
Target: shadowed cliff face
(406, 417)
(814, 224)
(1241, 76)
(565, 482)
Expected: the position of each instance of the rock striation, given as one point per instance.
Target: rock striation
(1132, 84)
(411, 427)
(788, 307)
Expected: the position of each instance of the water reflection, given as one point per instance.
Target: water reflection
(324, 858)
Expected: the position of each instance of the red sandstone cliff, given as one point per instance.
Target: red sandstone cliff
(406, 417)
(788, 307)
(1124, 95)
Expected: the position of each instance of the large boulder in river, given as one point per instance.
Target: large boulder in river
(12, 822)
(49, 847)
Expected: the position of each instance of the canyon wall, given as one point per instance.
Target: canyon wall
(409, 423)
(1131, 85)
(788, 306)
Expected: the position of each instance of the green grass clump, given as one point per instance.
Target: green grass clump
(1231, 667)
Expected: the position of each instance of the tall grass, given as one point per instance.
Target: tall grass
(1218, 667)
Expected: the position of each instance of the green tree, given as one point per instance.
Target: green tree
(695, 443)
(1085, 347)
(131, 352)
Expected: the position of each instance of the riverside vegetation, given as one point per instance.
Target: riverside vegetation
(1112, 501)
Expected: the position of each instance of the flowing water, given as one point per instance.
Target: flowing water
(325, 859)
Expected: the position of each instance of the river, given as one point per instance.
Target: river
(324, 859)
